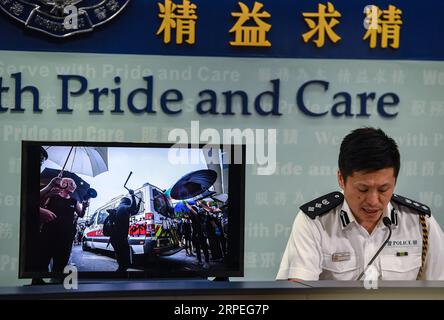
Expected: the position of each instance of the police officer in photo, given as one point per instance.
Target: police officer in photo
(341, 236)
(119, 237)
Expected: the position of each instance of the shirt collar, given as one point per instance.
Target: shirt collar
(392, 214)
(346, 216)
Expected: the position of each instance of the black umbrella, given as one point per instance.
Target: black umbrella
(83, 190)
(193, 184)
(205, 194)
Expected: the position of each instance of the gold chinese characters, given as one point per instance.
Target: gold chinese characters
(382, 27)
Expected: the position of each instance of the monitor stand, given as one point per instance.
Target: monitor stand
(226, 279)
(37, 282)
(40, 281)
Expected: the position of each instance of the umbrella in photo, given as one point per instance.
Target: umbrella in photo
(221, 197)
(193, 184)
(83, 189)
(90, 161)
(203, 195)
(167, 193)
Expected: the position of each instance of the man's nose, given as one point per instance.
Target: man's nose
(373, 198)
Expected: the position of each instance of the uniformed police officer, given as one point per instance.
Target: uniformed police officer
(337, 235)
(119, 237)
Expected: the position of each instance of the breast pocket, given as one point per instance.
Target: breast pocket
(400, 268)
(338, 270)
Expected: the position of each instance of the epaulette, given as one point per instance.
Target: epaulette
(415, 205)
(322, 204)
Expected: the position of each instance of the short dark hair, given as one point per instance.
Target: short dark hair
(368, 149)
(125, 200)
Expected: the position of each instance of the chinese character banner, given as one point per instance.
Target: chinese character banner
(270, 28)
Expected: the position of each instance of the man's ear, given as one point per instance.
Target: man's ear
(341, 181)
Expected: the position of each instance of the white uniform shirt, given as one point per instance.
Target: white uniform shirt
(332, 247)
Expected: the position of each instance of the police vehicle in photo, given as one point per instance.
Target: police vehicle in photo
(152, 229)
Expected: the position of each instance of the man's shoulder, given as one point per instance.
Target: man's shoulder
(416, 206)
(323, 204)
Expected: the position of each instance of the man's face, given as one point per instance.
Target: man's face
(368, 193)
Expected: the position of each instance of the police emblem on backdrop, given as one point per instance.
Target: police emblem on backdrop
(62, 18)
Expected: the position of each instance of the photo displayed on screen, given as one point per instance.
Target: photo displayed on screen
(154, 210)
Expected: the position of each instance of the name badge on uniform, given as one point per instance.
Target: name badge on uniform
(340, 256)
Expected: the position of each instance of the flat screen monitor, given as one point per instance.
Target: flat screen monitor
(169, 211)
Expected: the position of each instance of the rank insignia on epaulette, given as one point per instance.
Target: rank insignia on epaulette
(412, 204)
(322, 204)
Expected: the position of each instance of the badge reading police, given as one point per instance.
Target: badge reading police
(63, 18)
